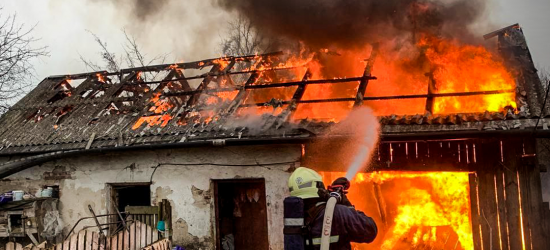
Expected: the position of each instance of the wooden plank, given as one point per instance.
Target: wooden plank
(411, 152)
(375, 163)
(82, 240)
(471, 154)
(475, 211)
(367, 72)
(120, 240)
(18, 246)
(126, 239)
(523, 182)
(104, 242)
(95, 241)
(489, 161)
(422, 148)
(384, 155)
(155, 235)
(168, 220)
(114, 242)
(462, 154)
(487, 203)
(431, 90)
(143, 231)
(399, 154)
(137, 235)
(501, 206)
(74, 242)
(59, 246)
(67, 244)
(449, 151)
(533, 198)
(140, 210)
(10, 246)
(513, 150)
(133, 236)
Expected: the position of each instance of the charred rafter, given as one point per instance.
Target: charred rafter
(367, 74)
(397, 97)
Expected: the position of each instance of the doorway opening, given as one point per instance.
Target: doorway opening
(241, 214)
(127, 195)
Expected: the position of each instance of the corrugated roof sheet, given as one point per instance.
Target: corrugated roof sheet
(121, 108)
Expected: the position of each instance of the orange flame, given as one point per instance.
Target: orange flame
(468, 68)
(423, 209)
(100, 77)
(401, 69)
(221, 97)
(153, 120)
(456, 68)
(160, 107)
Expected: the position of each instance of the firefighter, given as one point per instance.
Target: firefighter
(348, 224)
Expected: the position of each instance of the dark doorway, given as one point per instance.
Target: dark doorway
(133, 196)
(241, 214)
(127, 194)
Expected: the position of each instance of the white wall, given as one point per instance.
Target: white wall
(193, 212)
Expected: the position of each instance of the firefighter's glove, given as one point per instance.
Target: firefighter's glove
(345, 201)
(324, 194)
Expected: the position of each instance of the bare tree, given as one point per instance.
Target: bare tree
(16, 52)
(132, 56)
(243, 39)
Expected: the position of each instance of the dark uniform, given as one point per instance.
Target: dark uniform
(348, 225)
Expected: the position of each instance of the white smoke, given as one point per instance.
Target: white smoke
(360, 159)
(364, 128)
(348, 146)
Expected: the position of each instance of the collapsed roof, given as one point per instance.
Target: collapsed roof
(131, 107)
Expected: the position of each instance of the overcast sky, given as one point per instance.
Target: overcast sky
(191, 29)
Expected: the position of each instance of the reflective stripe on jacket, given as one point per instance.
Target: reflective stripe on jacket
(348, 225)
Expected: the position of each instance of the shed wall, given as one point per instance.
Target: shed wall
(182, 176)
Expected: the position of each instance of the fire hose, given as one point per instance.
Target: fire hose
(338, 189)
(327, 222)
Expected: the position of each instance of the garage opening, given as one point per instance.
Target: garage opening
(241, 214)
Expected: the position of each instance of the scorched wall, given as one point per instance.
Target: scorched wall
(179, 177)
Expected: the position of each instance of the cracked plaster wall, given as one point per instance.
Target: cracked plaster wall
(182, 176)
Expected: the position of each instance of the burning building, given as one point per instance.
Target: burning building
(457, 164)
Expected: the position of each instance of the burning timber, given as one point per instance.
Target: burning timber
(206, 147)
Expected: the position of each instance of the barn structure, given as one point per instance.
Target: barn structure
(122, 142)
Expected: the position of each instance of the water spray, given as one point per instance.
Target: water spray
(360, 159)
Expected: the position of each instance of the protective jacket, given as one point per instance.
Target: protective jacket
(348, 225)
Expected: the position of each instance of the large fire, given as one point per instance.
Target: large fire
(414, 210)
(431, 66)
(456, 68)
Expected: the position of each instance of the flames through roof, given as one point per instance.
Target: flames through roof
(159, 104)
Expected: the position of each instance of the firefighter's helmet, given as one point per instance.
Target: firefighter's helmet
(304, 183)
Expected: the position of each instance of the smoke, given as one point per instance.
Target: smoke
(183, 30)
(140, 10)
(326, 23)
(349, 146)
(362, 126)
